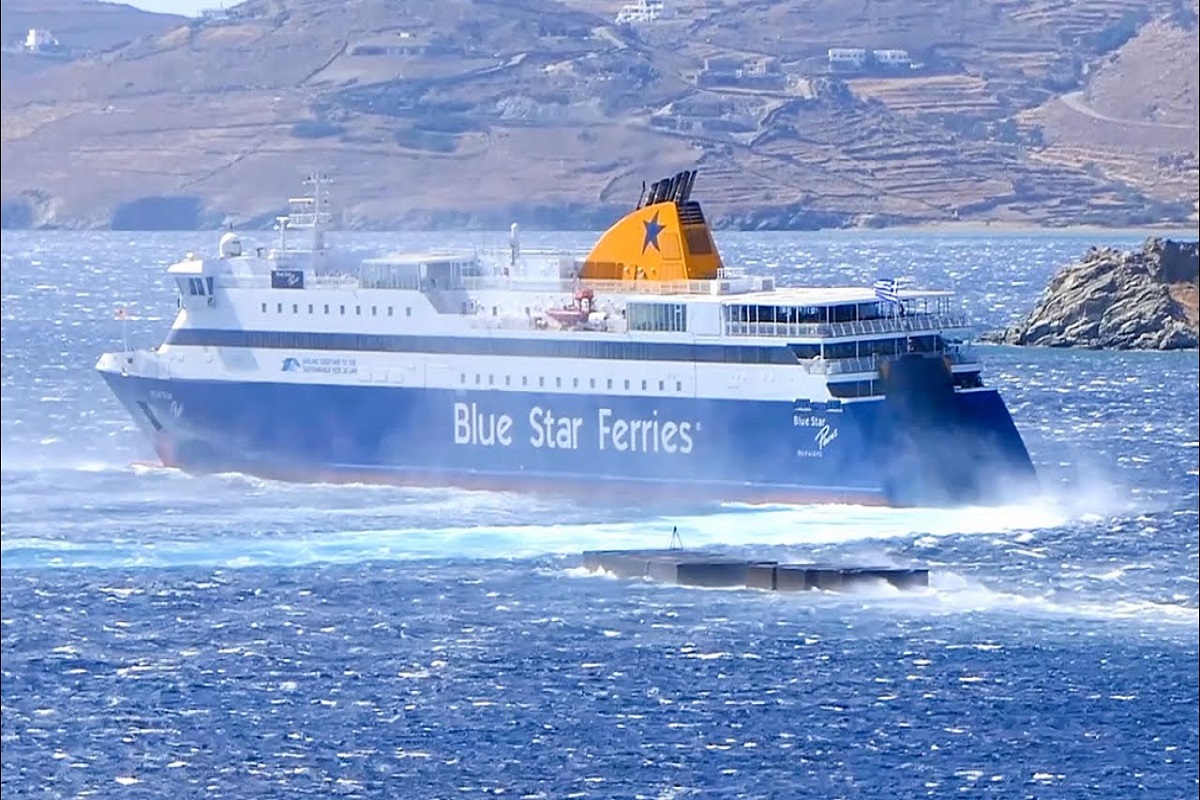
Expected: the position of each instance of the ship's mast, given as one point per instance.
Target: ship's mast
(312, 212)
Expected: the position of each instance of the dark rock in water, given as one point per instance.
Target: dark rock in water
(1144, 299)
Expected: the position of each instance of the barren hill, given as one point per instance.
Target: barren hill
(477, 112)
(79, 27)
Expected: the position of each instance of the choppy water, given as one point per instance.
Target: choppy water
(228, 637)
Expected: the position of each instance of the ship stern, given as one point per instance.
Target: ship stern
(945, 446)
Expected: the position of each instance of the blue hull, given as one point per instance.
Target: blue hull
(963, 449)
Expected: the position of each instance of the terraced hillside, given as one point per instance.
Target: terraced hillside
(476, 113)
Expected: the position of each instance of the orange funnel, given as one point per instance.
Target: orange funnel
(667, 239)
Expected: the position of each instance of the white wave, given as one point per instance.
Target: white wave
(951, 593)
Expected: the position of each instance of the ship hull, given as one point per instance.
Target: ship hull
(964, 451)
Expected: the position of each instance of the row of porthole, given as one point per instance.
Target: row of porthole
(391, 311)
(558, 382)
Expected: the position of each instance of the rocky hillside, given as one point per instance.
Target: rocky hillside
(478, 113)
(1140, 300)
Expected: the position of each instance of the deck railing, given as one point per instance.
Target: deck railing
(843, 366)
(836, 330)
(717, 286)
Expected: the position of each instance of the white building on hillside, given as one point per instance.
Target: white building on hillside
(641, 11)
(847, 56)
(892, 58)
(38, 40)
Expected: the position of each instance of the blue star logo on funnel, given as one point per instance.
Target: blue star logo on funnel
(653, 229)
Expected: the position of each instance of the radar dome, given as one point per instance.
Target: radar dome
(230, 246)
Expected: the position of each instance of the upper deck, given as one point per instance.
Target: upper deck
(657, 271)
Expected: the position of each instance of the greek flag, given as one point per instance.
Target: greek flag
(887, 289)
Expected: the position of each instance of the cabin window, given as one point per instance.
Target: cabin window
(541, 380)
(327, 308)
(592, 383)
(508, 380)
(524, 380)
(558, 383)
(478, 379)
(390, 310)
(310, 308)
(462, 378)
(341, 309)
(609, 383)
(279, 308)
(491, 380)
(656, 316)
(627, 384)
(679, 386)
(264, 308)
(788, 315)
(843, 313)
(575, 383)
(643, 386)
(358, 311)
(374, 311)
(408, 311)
(662, 386)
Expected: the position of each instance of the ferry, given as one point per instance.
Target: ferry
(646, 365)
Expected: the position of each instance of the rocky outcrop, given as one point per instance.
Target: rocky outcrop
(1144, 299)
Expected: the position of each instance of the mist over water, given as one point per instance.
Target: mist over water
(232, 636)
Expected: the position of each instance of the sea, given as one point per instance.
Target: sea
(222, 636)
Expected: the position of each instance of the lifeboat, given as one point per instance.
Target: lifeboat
(576, 314)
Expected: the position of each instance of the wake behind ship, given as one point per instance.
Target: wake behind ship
(647, 365)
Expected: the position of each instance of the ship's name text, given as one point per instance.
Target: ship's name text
(545, 429)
